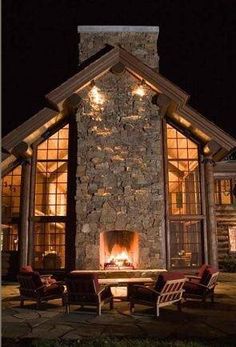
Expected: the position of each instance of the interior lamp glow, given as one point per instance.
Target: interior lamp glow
(140, 91)
(95, 96)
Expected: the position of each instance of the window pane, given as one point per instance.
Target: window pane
(9, 237)
(232, 239)
(223, 192)
(51, 175)
(183, 174)
(11, 186)
(185, 244)
(49, 246)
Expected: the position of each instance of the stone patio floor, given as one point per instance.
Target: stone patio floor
(197, 320)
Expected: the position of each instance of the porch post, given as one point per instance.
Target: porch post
(24, 212)
(210, 212)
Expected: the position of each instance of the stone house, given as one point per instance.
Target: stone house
(119, 172)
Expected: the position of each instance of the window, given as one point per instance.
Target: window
(50, 209)
(184, 200)
(11, 185)
(183, 174)
(223, 191)
(185, 248)
(11, 192)
(232, 239)
(51, 175)
(49, 245)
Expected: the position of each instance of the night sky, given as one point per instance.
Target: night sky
(197, 49)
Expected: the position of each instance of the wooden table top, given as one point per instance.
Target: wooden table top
(124, 281)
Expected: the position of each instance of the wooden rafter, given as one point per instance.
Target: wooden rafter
(178, 107)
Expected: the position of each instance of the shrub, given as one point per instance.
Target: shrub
(228, 264)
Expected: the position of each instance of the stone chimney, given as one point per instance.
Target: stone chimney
(120, 185)
(141, 41)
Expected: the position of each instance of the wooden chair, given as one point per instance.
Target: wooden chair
(196, 277)
(84, 290)
(46, 279)
(168, 290)
(197, 287)
(33, 288)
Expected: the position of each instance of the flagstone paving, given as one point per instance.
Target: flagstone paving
(197, 320)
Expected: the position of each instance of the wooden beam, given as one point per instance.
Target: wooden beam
(28, 127)
(211, 148)
(24, 213)
(22, 150)
(118, 69)
(163, 102)
(82, 78)
(71, 104)
(177, 171)
(211, 213)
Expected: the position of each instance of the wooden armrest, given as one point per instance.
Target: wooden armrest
(146, 288)
(102, 290)
(58, 282)
(192, 277)
(41, 287)
(198, 284)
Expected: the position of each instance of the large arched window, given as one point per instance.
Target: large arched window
(184, 200)
(50, 201)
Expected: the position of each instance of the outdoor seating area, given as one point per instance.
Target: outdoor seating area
(197, 319)
(87, 289)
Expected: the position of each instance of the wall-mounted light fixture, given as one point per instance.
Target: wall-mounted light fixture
(140, 89)
(96, 97)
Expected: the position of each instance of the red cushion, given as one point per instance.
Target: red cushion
(193, 288)
(202, 269)
(26, 268)
(53, 289)
(167, 276)
(205, 277)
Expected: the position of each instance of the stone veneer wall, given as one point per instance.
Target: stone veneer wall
(141, 44)
(120, 171)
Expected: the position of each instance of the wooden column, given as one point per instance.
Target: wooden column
(210, 212)
(24, 212)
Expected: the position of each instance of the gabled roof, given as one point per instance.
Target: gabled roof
(178, 109)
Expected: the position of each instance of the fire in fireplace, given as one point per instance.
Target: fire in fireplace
(119, 250)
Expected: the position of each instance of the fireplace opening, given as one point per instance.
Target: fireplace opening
(119, 250)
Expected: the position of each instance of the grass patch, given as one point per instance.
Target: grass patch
(109, 342)
(118, 342)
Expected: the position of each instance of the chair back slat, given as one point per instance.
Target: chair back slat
(29, 282)
(81, 288)
(172, 290)
(212, 281)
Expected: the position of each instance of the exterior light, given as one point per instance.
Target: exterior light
(95, 96)
(140, 90)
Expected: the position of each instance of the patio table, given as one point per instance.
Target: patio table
(125, 282)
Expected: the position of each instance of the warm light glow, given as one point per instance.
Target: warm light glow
(139, 91)
(119, 256)
(101, 131)
(95, 96)
(132, 118)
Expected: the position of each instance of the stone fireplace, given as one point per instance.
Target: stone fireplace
(120, 189)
